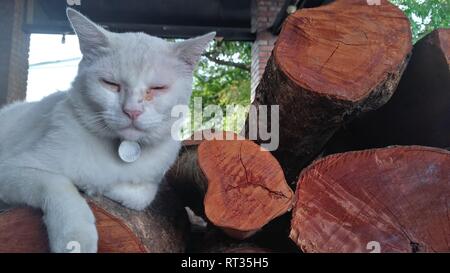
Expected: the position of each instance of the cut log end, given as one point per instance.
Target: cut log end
(246, 186)
(329, 65)
(392, 199)
(234, 183)
(419, 111)
(344, 49)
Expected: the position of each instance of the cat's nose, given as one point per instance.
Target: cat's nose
(132, 114)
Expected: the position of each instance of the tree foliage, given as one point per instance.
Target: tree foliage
(222, 78)
(223, 74)
(425, 15)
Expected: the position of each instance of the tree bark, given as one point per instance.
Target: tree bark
(232, 183)
(163, 227)
(392, 199)
(419, 111)
(213, 240)
(329, 65)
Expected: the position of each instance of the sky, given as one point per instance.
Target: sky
(45, 78)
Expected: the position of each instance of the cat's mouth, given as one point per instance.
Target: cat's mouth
(131, 132)
(131, 127)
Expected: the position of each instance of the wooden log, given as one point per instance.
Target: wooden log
(329, 65)
(213, 240)
(163, 227)
(234, 184)
(242, 248)
(392, 199)
(273, 238)
(419, 111)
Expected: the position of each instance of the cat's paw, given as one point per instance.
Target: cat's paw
(76, 238)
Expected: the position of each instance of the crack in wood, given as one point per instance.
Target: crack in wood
(329, 58)
(278, 194)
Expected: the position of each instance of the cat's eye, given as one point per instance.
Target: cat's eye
(159, 87)
(152, 91)
(111, 85)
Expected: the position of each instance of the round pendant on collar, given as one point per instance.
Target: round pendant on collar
(129, 151)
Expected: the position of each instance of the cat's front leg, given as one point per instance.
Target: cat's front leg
(71, 226)
(69, 220)
(133, 196)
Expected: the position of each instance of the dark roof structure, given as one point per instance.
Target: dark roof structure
(231, 19)
(165, 18)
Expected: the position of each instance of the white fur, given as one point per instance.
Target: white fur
(69, 140)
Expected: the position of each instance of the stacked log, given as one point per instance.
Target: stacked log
(419, 111)
(161, 228)
(391, 199)
(329, 65)
(235, 184)
(332, 66)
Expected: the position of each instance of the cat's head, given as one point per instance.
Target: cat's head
(127, 83)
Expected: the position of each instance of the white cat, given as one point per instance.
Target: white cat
(125, 89)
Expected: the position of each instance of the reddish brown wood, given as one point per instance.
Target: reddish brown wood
(396, 196)
(22, 231)
(242, 187)
(213, 240)
(238, 248)
(162, 228)
(328, 65)
(419, 111)
(444, 42)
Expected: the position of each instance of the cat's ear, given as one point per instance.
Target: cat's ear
(190, 50)
(93, 38)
